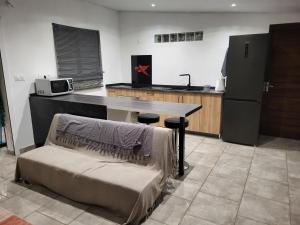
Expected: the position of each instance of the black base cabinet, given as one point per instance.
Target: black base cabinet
(44, 108)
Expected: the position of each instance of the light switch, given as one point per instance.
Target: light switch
(19, 77)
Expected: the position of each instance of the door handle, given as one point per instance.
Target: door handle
(268, 86)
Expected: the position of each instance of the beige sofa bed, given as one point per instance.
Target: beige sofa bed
(129, 189)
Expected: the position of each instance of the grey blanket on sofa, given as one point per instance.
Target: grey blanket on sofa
(122, 140)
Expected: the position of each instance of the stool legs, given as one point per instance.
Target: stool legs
(181, 145)
(175, 133)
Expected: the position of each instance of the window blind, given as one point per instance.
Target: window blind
(78, 55)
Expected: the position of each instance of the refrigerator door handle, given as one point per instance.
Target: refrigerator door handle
(246, 49)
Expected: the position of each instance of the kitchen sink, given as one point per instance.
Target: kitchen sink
(187, 88)
(175, 88)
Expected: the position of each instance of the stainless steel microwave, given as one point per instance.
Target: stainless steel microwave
(54, 87)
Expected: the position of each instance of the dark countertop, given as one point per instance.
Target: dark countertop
(130, 104)
(167, 88)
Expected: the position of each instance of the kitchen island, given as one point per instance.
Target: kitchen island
(205, 121)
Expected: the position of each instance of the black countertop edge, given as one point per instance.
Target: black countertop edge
(166, 88)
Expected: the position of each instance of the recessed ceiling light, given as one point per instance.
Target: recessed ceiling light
(153, 5)
(233, 5)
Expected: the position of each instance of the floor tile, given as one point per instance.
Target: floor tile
(42, 190)
(62, 209)
(293, 181)
(171, 186)
(194, 137)
(4, 213)
(192, 220)
(40, 219)
(295, 219)
(269, 172)
(6, 159)
(294, 169)
(261, 160)
(223, 186)
(87, 218)
(215, 209)
(271, 152)
(279, 143)
(197, 158)
(194, 158)
(106, 215)
(246, 221)
(264, 210)
(187, 190)
(209, 160)
(19, 206)
(10, 188)
(171, 211)
(35, 197)
(152, 222)
(295, 206)
(294, 185)
(199, 174)
(232, 165)
(241, 150)
(268, 189)
(293, 156)
(209, 149)
(192, 143)
(7, 168)
(234, 161)
(212, 140)
(227, 170)
(187, 152)
(3, 198)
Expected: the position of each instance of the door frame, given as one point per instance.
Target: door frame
(8, 127)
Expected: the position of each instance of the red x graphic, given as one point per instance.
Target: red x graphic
(142, 69)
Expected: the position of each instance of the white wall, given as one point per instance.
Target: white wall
(203, 60)
(26, 42)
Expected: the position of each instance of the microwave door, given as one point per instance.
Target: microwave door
(59, 86)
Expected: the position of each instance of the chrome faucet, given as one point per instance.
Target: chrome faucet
(186, 74)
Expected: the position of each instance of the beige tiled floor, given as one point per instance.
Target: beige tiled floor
(229, 184)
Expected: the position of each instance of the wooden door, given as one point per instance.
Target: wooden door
(281, 104)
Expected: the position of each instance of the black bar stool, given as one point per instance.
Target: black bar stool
(148, 118)
(174, 123)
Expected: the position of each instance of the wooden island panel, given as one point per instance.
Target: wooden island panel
(206, 120)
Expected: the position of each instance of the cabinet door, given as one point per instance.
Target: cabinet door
(210, 114)
(147, 96)
(194, 119)
(172, 97)
(112, 92)
(159, 96)
(118, 92)
(168, 97)
(126, 93)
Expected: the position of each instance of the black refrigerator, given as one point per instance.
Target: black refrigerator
(245, 71)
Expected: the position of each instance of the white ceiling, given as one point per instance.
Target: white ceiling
(202, 5)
